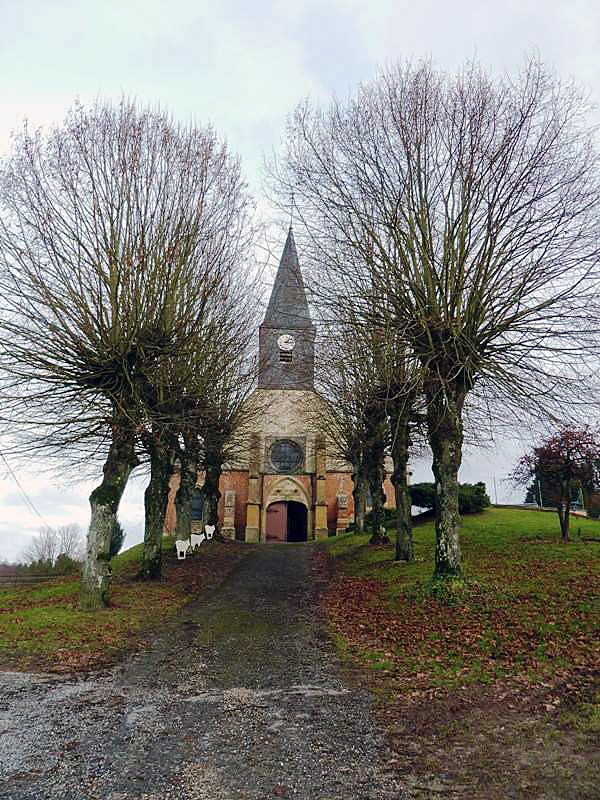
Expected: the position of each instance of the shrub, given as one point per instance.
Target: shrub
(65, 565)
(117, 538)
(422, 495)
(593, 505)
(389, 518)
(472, 498)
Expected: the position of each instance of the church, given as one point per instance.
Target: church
(287, 485)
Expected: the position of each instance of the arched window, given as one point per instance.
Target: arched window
(286, 456)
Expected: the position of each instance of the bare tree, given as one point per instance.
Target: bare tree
(467, 209)
(43, 547)
(371, 390)
(50, 543)
(114, 230)
(400, 381)
(71, 541)
(199, 409)
(343, 386)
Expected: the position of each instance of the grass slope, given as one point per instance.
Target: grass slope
(41, 627)
(529, 604)
(491, 689)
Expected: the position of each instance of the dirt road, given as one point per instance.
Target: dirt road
(240, 697)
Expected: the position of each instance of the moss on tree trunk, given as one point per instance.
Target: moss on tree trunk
(359, 493)
(400, 453)
(212, 493)
(374, 455)
(104, 504)
(444, 422)
(183, 499)
(155, 505)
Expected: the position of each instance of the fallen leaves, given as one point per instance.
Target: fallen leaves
(531, 613)
(45, 630)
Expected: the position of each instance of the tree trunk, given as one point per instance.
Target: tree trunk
(444, 423)
(400, 452)
(375, 471)
(376, 478)
(104, 504)
(212, 494)
(374, 455)
(564, 510)
(183, 499)
(359, 493)
(156, 497)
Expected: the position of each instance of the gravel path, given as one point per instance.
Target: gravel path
(239, 698)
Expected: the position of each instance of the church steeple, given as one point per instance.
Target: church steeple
(286, 336)
(288, 307)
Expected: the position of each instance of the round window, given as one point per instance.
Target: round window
(286, 456)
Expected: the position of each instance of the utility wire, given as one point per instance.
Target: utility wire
(28, 501)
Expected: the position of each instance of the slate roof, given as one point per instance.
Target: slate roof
(288, 307)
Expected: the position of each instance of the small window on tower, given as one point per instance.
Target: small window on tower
(285, 355)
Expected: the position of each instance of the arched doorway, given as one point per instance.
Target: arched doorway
(286, 522)
(296, 522)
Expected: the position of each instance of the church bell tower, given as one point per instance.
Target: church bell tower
(287, 335)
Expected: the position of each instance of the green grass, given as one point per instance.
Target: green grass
(526, 604)
(42, 628)
(237, 623)
(585, 718)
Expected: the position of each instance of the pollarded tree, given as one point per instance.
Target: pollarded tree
(178, 403)
(345, 380)
(372, 391)
(561, 463)
(114, 229)
(202, 412)
(401, 383)
(461, 212)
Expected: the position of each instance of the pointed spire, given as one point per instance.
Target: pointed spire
(288, 307)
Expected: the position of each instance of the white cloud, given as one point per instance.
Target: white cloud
(58, 504)
(244, 67)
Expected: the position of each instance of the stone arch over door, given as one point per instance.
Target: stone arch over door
(286, 490)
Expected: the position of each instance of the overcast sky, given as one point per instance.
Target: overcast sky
(243, 67)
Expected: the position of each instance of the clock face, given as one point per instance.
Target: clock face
(286, 342)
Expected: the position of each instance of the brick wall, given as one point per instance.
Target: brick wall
(390, 495)
(170, 515)
(237, 481)
(336, 482)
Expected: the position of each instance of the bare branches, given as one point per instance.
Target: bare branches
(117, 230)
(122, 237)
(459, 213)
(50, 543)
(464, 200)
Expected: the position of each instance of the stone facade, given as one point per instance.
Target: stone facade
(285, 462)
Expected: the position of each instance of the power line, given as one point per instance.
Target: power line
(28, 500)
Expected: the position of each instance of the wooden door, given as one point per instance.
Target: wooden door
(277, 522)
